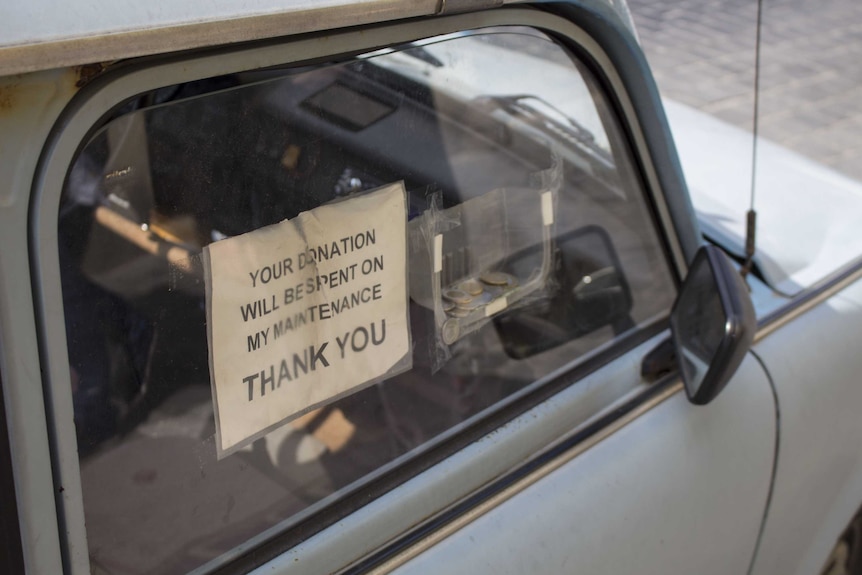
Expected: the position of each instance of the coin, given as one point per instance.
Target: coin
(450, 331)
(458, 312)
(494, 291)
(477, 302)
(472, 287)
(457, 296)
(499, 279)
(448, 305)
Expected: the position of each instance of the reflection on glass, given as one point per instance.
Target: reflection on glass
(699, 325)
(455, 119)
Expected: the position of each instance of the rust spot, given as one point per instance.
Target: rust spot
(88, 72)
(7, 96)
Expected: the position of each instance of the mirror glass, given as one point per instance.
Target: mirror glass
(699, 324)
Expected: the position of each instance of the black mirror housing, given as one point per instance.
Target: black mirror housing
(712, 323)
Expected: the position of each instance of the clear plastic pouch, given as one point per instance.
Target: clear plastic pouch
(475, 260)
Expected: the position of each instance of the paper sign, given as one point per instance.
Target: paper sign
(306, 311)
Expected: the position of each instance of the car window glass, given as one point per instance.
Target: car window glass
(518, 187)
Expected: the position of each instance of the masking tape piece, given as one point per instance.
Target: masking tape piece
(547, 208)
(496, 306)
(438, 253)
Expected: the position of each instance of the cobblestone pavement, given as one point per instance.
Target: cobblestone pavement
(703, 54)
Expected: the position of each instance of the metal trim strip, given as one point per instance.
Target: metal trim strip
(806, 300)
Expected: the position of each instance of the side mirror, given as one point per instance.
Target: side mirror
(713, 324)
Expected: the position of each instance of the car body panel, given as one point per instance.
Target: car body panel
(815, 363)
(41, 35)
(808, 214)
(645, 499)
(79, 33)
(658, 487)
(38, 100)
(573, 411)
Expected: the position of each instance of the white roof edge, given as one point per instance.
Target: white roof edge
(43, 34)
(39, 36)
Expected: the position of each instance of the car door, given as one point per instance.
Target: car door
(541, 227)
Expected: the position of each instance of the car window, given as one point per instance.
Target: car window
(481, 175)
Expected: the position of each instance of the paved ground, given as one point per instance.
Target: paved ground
(702, 53)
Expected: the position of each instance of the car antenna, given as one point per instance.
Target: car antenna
(751, 216)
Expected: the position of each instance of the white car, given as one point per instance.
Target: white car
(410, 287)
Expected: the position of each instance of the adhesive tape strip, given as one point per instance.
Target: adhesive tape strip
(547, 208)
(496, 306)
(438, 253)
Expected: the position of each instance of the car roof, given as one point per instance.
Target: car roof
(44, 34)
(41, 34)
